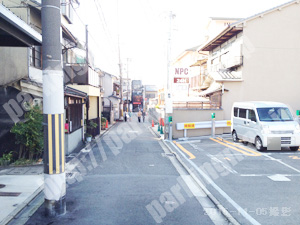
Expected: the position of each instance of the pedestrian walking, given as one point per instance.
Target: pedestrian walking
(143, 115)
(129, 116)
(125, 117)
(139, 115)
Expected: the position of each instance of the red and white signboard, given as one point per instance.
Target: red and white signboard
(181, 72)
(181, 80)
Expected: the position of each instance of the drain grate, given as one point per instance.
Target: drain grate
(9, 194)
(2, 185)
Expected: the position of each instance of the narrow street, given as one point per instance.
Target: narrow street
(128, 177)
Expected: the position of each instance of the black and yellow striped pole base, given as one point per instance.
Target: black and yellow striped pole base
(54, 165)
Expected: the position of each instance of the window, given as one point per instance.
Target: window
(251, 115)
(74, 113)
(242, 113)
(235, 112)
(274, 114)
(36, 57)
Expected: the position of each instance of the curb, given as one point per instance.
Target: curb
(223, 210)
(22, 206)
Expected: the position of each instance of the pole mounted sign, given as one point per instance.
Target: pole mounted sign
(181, 80)
(181, 75)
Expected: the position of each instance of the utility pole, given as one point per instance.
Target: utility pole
(168, 99)
(169, 49)
(120, 66)
(87, 46)
(121, 84)
(53, 110)
(127, 85)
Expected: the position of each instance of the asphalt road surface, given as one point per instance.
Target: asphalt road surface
(255, 187)
(129, 177)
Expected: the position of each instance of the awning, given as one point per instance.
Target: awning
(208, 81)
(221, 38)
(199, 62)
(74, 92)
(214, 87)
(14, 32)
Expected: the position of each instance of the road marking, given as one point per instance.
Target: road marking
(222, 163)
(242, 147)
(217, 188)
(227, 158)
(236, 149)
(267, 175)
(186, 151)
(294, 157)
(187, 142)
(279, 177)
(277, 160)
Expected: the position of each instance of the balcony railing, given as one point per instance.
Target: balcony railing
(232, 62)
(196, 105)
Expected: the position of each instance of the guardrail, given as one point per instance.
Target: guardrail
(200, 125)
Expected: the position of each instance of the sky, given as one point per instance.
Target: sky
(136, 32)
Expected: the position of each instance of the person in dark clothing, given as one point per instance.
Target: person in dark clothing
(143, 115)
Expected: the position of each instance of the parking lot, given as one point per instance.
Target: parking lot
(255, 187)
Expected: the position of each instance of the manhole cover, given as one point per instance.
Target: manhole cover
(2, 185)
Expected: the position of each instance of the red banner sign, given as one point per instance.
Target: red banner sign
(180, 80)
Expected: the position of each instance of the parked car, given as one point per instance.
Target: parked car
(265, 124)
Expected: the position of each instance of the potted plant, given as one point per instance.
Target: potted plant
(103, 123)
(88, 137)
(91, 125)
(5, 159)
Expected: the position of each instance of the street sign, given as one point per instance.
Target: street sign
(181, 80)
(189, 126)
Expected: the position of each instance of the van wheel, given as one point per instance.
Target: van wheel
(294, 148)
(235, 137)
(258, 144)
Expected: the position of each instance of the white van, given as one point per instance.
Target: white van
(265, 124)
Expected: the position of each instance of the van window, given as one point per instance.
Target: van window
(251, 115)
(242, 113)
(235, 111)
(274, 114)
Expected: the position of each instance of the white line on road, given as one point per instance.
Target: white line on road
(187, 142)
(279, 160)
(266, 175)
(210, 181)
(222, 163)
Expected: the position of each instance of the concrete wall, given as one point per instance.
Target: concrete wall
(270, 71)
(72, 141)
(271, 57)
(13, 64)
(196, 115)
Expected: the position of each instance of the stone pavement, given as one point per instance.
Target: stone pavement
(19, 186)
